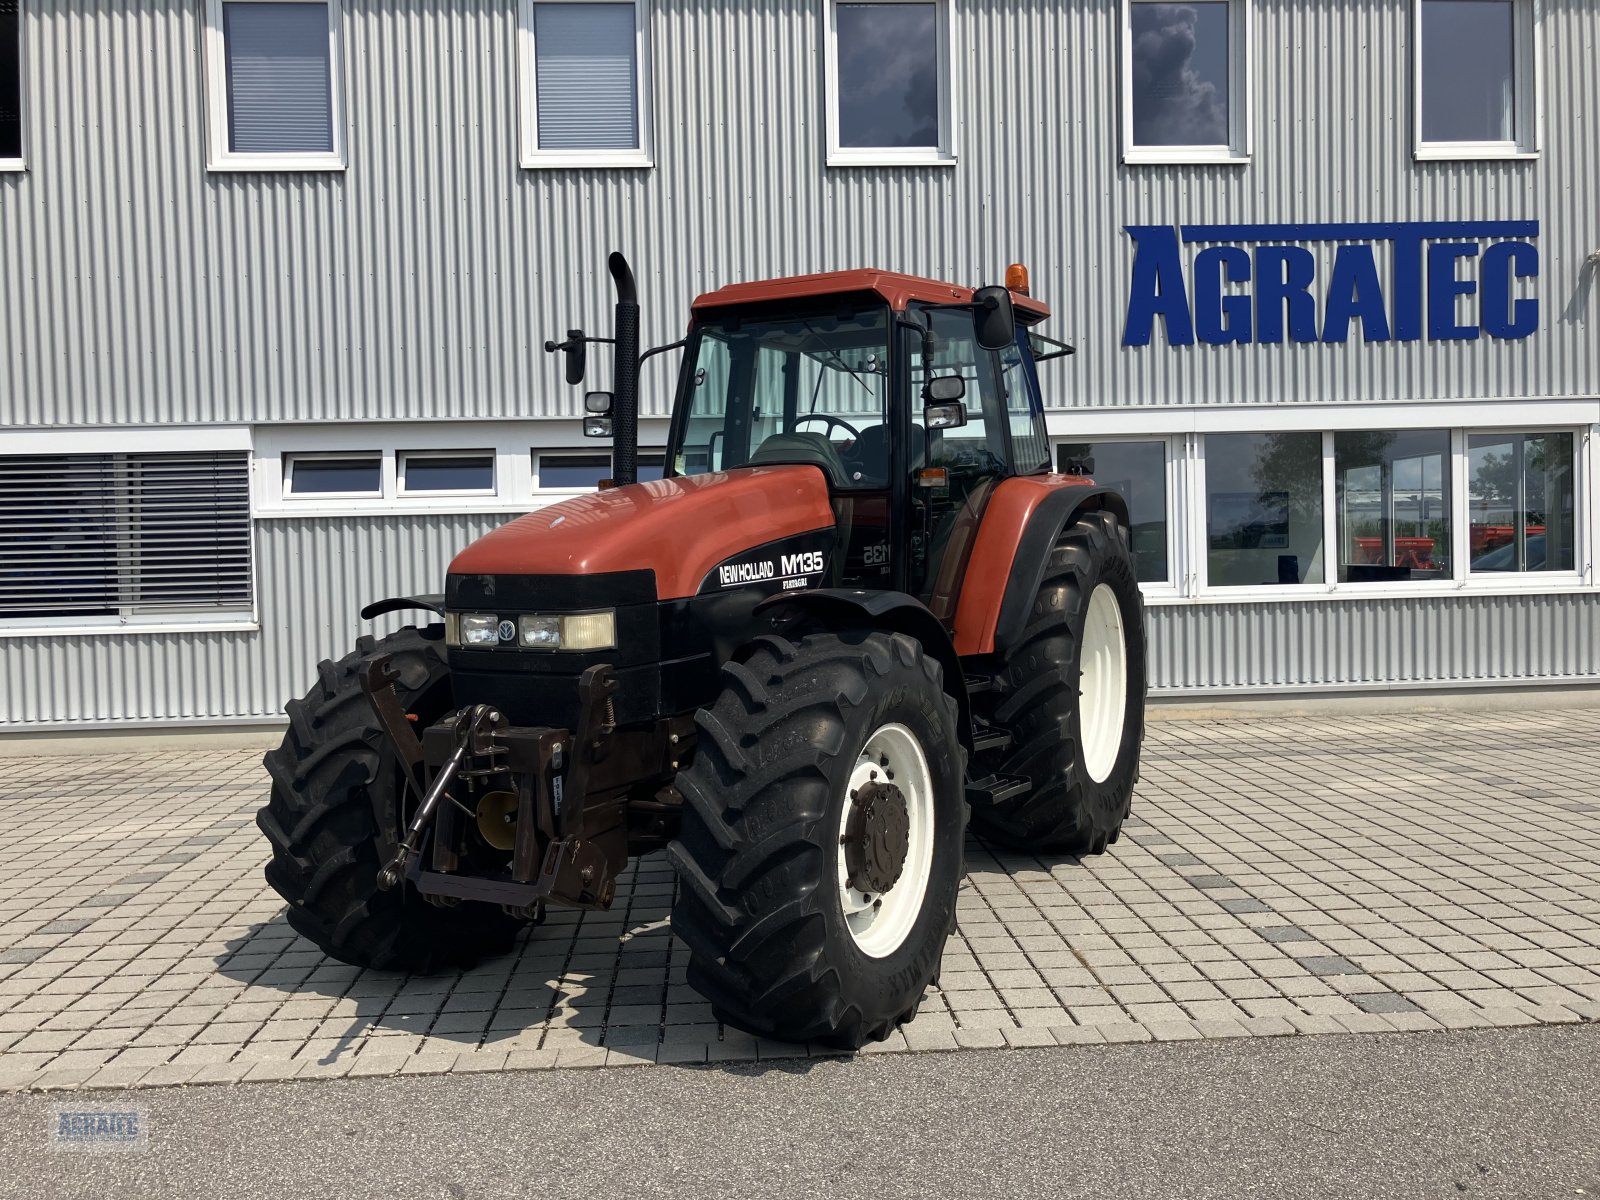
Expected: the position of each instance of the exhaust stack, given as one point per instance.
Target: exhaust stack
(625, 375)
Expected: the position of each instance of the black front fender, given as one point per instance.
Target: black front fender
(893, 612)
(433, 604)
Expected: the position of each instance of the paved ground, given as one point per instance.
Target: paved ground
(1320, 875)
(1484, 1113)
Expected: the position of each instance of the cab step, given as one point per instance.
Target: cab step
(990, 737)
(997, 789)
(979, 683)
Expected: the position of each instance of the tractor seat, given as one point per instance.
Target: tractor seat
(810, 449)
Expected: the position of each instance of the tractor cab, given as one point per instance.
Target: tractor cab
(910, 396)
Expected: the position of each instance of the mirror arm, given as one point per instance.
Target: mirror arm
(677, 345)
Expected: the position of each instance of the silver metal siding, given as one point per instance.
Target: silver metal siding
(139, 288)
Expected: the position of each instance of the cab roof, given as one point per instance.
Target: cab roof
(896, 289)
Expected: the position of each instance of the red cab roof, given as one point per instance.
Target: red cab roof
(898, 290)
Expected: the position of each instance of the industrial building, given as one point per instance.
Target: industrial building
(276, 275)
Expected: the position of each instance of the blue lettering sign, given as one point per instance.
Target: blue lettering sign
(1436, 266)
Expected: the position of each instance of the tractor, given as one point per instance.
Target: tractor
(857, 610)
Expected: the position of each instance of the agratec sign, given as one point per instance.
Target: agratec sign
(1261, 284)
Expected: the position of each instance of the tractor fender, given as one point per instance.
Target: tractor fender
(1022, 522)
(433, 604)
(893, 612)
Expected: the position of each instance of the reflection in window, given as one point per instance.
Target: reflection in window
(1263, 508)
(1468, 73)
(1521, 501)
(1393, 493)
(888, 66)
(1137, 470)
(1179, 73)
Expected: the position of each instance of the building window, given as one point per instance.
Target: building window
(1186, 81)
(585, 83)
(1476, 79)
(1137, 470)
(1521, 502)
(447, 472)
(583, 472)
(274, 76)
(1392, 492)
(888, 82)
(347, 476)
(10, 85)
(87, 537)
(1263, 509)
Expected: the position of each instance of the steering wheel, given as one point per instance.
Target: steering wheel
(832, 420)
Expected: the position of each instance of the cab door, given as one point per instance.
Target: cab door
(952, 471)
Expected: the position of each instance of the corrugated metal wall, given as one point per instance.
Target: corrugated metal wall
(314, 575)
(136, 287)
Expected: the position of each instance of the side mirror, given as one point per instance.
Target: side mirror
(576, 349)
(951, 415)
(597, 403)
(993, 319)
(944, 390)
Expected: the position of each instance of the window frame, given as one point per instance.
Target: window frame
(210, 439)
(403, 457)
(1241, 96)
(219, 156)
(1187, 531)
(20, 162)
(1172, 457)
(538, 454)
(1527, 61)
(530, 155)
(942, 155)
(293, 458)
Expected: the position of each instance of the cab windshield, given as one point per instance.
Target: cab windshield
(809, 389)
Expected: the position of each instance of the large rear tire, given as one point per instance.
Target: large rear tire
(1072, 694)
(821, 846)
(331, 778)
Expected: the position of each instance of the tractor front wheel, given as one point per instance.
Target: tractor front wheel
(332, 784)
(821, 846)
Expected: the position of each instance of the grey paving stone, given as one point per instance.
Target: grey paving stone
(1329, 964)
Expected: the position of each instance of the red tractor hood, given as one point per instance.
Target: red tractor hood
(679, 528)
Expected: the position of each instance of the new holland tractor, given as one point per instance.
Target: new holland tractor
(857, 609)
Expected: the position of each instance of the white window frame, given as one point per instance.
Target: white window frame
(1186, 488)
(1173, 451)
(138, 440)
(942, 155)
(600, 448)
(20, 163)
(1241, 95)
(403, 458)
(220, 157)
(1527, 61)
(290, 461)
(534, 158)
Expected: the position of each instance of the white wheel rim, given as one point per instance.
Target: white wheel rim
(1103, 689)
(880, 923)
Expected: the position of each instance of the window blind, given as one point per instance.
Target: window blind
(280, 94)
(586, 76)
(122, 534)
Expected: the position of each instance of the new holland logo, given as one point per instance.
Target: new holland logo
(1256, 284)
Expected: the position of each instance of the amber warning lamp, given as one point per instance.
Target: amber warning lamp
(1017, 279)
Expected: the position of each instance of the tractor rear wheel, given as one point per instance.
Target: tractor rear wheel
(821, 847)
(1072, 695)
(332, 782)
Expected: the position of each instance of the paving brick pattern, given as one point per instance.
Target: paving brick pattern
(1278, 876)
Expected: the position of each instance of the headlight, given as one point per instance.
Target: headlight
(573, 631)
(479, 629)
